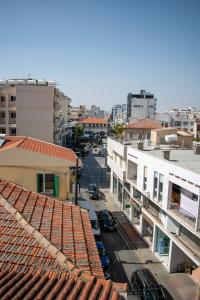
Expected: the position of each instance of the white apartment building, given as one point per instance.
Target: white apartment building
(186, 119)
(142, 105)
(34, 108)
(119, 114)
(159, 190)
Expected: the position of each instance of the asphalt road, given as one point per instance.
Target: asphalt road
(121, 267)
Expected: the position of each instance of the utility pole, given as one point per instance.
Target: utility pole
(76, 184)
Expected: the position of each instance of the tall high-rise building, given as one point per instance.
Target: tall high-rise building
(141, 105)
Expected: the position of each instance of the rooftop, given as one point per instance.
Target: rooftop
(145, 123)
(94, 121)
(65, 226)
(181, 157)
(46, 248)
(35, 145)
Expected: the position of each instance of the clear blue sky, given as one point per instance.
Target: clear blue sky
(100, 50)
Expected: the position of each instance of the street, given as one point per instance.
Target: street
(126, 249)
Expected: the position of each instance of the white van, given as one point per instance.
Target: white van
(83, 203)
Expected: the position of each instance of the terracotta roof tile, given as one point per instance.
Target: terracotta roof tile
(66, 226)
(94, 121)
(31, 267)
(34, 145)
(146, 123)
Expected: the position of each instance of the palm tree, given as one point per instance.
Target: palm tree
(117, 130)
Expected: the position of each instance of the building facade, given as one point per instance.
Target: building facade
(32, 108)
(159, 191)
(119, 114)
(142, 105)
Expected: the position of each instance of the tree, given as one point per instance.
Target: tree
(117, 130)
(78, 131)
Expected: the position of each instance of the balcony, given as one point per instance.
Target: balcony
(182, 215)
(183, 205)
(132, 172)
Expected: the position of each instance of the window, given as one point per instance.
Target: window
(155, 185)
(3, 98)
(13, 115)
(13, 131)
(158, 186)
(12, 98)
(48, 184)
(178, 123)
(145, 178)
(3, 115)
(2, 130)
(160, 196)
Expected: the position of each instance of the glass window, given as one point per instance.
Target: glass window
(3, 98)
(155, 185)
(12, 98)
(13, 115)
(160, 197)
(145, 178)
(114, 185)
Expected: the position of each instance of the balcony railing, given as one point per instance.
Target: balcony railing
(184, 215)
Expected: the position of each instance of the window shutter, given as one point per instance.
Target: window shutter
(56, 186)
(38, 182)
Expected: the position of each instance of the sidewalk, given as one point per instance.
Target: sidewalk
(180, 285)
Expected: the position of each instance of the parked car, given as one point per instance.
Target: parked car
(107, 221)
(105, 261)
(93, 191)
(144, 284)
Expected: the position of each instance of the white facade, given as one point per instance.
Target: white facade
(119, 114)
(32, 108)
(141, 105)
(162, 200)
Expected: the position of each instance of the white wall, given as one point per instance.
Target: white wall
(35, 109)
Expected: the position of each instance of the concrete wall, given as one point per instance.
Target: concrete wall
(35, 108)
(21, 167)
(27, 177)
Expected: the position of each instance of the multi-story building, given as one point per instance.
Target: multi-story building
(95, 125)
(31, 108)
(95, 112)
(77, 112)
(119, 114)
(158, 189)
(142, 105)
(187, 119)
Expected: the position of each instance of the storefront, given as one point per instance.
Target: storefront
(147, 229)
(120, 191)
(162, 244)
(126, 203)
(115, 185)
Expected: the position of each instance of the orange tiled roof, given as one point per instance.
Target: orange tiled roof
(35, 231)
(31, 144)
(94, 121)
(36, 286)
(66, 226)
(146, 123)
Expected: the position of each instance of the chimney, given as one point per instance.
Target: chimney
(166, 154)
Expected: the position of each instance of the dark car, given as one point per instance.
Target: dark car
(143, 283)
(105, 261)
(93, 191)
(107, 221)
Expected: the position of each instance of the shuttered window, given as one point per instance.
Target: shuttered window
(48, 184)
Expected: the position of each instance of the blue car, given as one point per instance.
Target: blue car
(105, 261)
